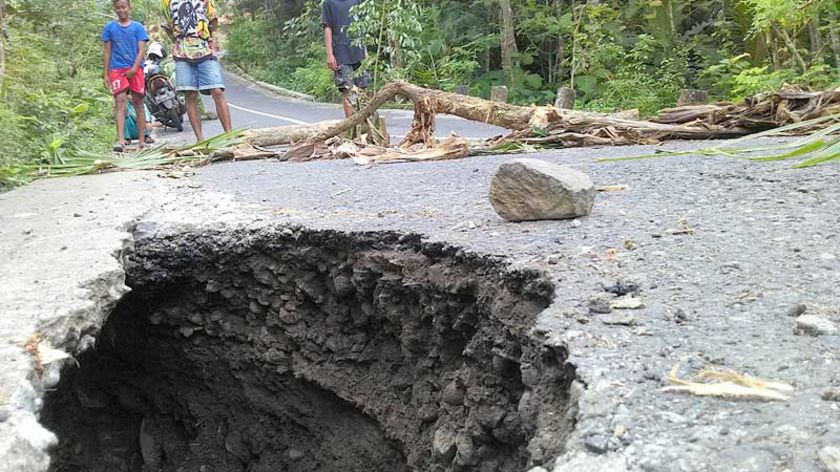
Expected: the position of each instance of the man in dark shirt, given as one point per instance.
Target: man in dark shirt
(343, 57)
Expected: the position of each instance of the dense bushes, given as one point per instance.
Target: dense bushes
(53, 98)
(616, 54)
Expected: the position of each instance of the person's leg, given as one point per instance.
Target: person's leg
(344, 81)
(348, 109)
(120, 106)
(186, 81)
(210, 78)
(191, 100)
(137, 87)
(222, 110)
(140, 110)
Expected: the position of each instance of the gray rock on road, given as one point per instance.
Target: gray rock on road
(814, 325)
(531, 189)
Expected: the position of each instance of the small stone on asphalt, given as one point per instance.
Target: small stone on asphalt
(813, 325)
(618, 319)
(627, 303)
(599, 307)
(597, 443)
(622, 287)
(797, 309)
(831, 394)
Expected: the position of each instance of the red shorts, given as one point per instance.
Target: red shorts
(121, 83)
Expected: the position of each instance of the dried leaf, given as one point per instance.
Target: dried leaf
(729, 375)
(32, 346)
(451, 148)
(728, 390)
(684, 227)
(50, 355)
(728, 384)
(611, 188)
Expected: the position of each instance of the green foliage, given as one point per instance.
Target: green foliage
(766, 13)
(53, 97)
(616, 54)
(736, 78)
(648, 79)
(394, 27)
(315, 78)
(759, 79)
(258, 45)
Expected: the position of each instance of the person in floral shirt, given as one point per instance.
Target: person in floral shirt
(190, 25)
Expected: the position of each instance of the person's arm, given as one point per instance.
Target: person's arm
(212, 16)
(138, 61)
(107, 54)
(331, 63)
(326, 22)
(142, 37)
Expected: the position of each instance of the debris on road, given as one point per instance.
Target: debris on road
(814, 325)
(727, 383)
(621, 287)
(619, 320)
(547, 126)
(627, 303)
(682, 228)
(611, 188)
(531, 189)
(364, 138)
(831, 395)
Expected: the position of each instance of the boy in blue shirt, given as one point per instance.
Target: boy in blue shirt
(125, 44)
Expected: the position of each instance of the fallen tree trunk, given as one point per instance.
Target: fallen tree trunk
(428, 103)
(284, 135)
(536, 125)
(547, 125)
(758, 113)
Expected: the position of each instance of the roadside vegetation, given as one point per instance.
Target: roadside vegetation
(51, 91)
(615, 54)
(52, 99)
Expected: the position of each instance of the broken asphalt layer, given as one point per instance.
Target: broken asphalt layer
(723, 253)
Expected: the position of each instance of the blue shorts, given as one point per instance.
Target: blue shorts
(198, 76)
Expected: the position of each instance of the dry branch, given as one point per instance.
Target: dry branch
(758, 113)
(284, 135)
(549, 126)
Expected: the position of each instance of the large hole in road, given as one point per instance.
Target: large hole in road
(281, 350)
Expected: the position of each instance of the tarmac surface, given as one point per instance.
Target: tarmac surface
(721, 253)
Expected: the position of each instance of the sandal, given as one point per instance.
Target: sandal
(118, 148)
(150, 140)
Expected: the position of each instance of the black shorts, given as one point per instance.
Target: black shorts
(348, 75)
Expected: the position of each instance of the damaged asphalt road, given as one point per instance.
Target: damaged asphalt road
(719, 256)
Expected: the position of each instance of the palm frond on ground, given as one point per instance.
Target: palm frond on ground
(819, 147)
